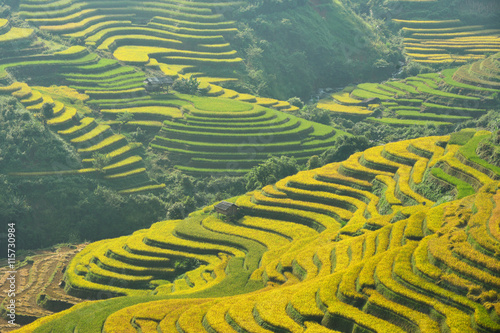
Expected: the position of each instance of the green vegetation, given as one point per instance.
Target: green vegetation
(371, 208)
(281, 233)
(463, 188)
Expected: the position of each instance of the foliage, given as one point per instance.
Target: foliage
(296, 101)
(48, 110)
(125, 117)
(313, 163)
(314, 114)
(344, 147)
(292, 48)
(100, 161)
(25, 145)
(270, 171)
(186, 86)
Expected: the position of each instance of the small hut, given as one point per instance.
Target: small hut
(158, 83)
(226, 208)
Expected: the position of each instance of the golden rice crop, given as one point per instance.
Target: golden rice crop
(493, 225)
(421, 320)
(215, 316)
(168, 323)
(331, 172)
(16, 34)
(191, 320)
(304, 300)
(339, 108)
(414, 228)
(103, 143)
(242, 314)
(270, 308)
(366, 277)
(389, 193)
(67, 115)
(71, 25)
(270, 240)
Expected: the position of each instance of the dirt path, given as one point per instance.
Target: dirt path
(40, 278)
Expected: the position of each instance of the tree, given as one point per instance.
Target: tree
(344, 147)
(296, 101)
(313, 163)
(177, 211)
(186, 86)
(124, 118)
(48, 110)
(271, 171)
(100, 161)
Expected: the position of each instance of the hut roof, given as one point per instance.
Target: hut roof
(224, 205)
(159, 80)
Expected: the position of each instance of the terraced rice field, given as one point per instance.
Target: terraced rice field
(178, 38)
(113, 89)
(38, 279)
(318, 251)
(125, 170)
(189, 34)
(450, 41)
(442, 99)
(218, 136)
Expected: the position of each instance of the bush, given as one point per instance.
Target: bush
(177, 211)
(344, 147)
(48, 110)
(296, 101)
(270, 172)
(313, 163)
(186, 86)
(314, 114)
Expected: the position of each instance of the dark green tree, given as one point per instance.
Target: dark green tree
(186, 86)
(271, 171)
(344, 147)
(48, 110)
(100, 161)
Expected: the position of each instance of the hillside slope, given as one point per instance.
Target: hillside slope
(451, 96)
(363, 244)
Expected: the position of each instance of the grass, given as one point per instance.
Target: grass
(406, 122)
(411, 114)
(425, 89)
(16, 34)
(449, 79)
(164, 112)
(462, 137)
(468, 150)
(464, 189)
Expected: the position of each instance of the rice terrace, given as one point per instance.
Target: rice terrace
(250, 166)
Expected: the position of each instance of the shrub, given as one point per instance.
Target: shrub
(270, 171)
(344, 147)
(186, 86)
(100, 161)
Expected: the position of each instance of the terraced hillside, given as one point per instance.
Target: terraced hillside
(124, 169)
(447, 39)
(178, 35)
(38, 279)
(401, 237)
(443, 99)
(220, 136)
(114, 89)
